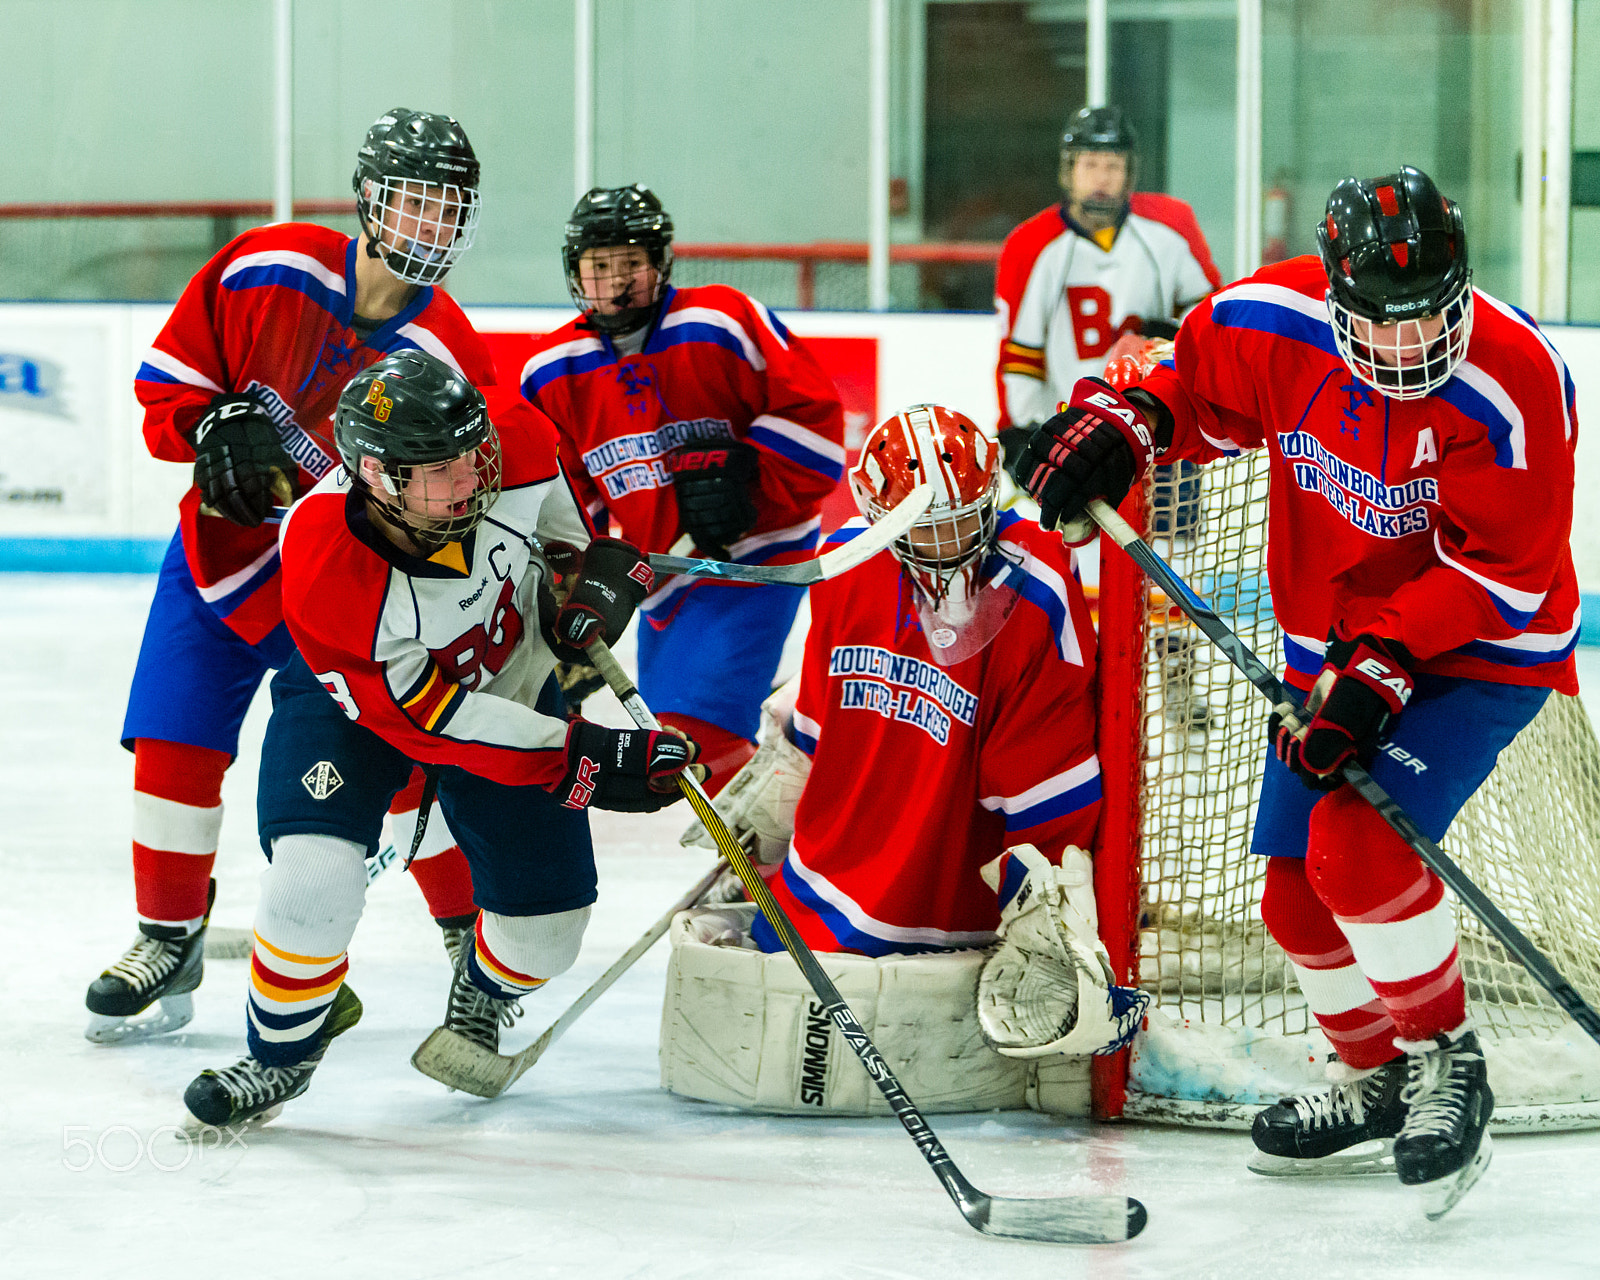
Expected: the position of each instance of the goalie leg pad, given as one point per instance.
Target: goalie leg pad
(744, 1028)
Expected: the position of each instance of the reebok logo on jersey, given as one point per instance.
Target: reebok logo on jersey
(322, 780)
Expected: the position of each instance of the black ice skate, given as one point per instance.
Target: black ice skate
(475, 1014)
(1444, 1147)
(153, 968)
(456, 932)
(1349, 1129)
(250, 1091)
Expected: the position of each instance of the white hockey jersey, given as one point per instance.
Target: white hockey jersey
(1063, 300)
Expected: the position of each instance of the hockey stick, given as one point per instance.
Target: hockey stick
(452, 1059)
(866, 544)
(1437, 860)
(1091, 1219)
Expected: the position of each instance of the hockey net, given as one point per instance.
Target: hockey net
(1182, 747)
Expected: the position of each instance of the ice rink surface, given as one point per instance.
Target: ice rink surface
(586, 1167)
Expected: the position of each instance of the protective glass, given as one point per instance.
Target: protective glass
(422, 228)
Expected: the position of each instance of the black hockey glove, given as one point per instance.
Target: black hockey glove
(624, 770)
(1095, 447)
(239, 462)
(712, 482)
(1013, 444)
(614, 579)
(1363, 685)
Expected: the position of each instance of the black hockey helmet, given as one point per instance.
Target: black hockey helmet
(1100, 129)
(1395, 250)
(610, 216)
(404, 153)
(410, 410)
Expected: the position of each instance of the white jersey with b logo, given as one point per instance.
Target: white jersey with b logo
(1063, 299)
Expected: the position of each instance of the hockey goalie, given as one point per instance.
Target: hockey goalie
(922, 799)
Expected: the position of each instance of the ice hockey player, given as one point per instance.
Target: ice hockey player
(689, 412)
(1421, 437)
(413, 581)
(932, 784)
(1077, 278)
(241, 382)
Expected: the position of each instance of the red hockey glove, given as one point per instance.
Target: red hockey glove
(240, 465)
(1096, 447)
(1363, 685)
(625, 770)
(712, 483)
(615, 578)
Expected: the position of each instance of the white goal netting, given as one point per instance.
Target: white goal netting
(1229, 1029)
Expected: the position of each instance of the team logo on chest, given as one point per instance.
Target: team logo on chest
(322, 780)
(901, 688)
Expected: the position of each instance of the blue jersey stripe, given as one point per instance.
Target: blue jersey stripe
(284, 277)
(683, 334)
(149, 373)
(798, 453)
(222, 606)
(566, 367)
(1270, 317)
(1475, 406)
(1070, 801)
(1502, 656)
(848, 935)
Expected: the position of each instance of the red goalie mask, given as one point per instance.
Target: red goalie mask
(943, 553)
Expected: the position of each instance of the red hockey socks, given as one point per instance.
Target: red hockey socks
(177, 816)
(1341, 999)
(722, 752)
(440, 868)
(1392, 909)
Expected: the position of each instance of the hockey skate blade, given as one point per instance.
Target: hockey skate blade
(1064, 1220)
(196, 1128)
(175, 1011)
(1443, 1194)
(452, 1059)
(1375, 1156)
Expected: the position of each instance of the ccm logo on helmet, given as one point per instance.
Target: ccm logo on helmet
(1380, 673)
(583, 789)
(1102, 401)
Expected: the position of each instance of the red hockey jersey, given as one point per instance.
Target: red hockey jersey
(921, 774)
(1063, 300)
(1442, 523)
(443, 658)
(271, 313)
(717, 365)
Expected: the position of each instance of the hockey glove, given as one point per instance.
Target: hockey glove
(614, 579)
(1096, 447)
(713, 487)
(1363, 685)
(625, 770)
(239, 462)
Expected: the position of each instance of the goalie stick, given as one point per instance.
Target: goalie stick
(453, 1059)
(861, 548)
(1090, 1219)
(1438, 861)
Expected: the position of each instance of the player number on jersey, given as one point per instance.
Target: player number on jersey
(336, 685)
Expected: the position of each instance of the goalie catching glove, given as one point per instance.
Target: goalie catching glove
(1048, 988)
(1363, 685)
(1095, 447)
(624, 770)
(240, 466)
(712, 485)
(759, 802)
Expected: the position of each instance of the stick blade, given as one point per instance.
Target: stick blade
(452, 1059)
(1061, 1220)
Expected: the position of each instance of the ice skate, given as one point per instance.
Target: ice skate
(454, 936)
(152, 969)
(252, 1092)
(1349, 1129)
(1444, 1147)
(475, 1014)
